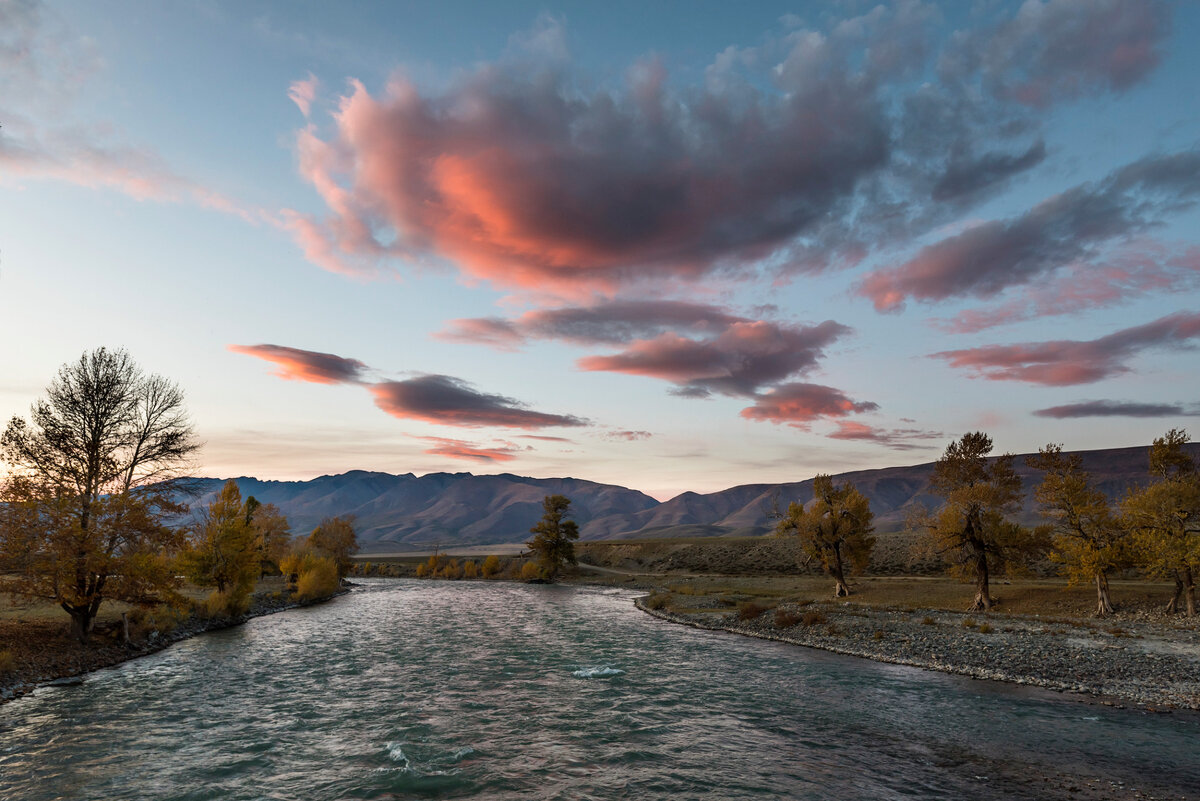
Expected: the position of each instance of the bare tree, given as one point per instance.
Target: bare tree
(83, 506)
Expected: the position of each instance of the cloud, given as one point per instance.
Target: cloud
(303, 92)
(445, 400)
(612, 322)
(541, 438)
(1109, 408)
(902, 439)
(1067, 228)
(1138, 268)
(1069, 362)
(628, 436)
(306, 365)
(797, 155)
(800, 404)
(1063, 49)
(738, 361)
(470, 451)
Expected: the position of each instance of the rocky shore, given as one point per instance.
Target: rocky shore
(1117, 662)
(44, 653)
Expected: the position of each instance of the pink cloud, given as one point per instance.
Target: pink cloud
(799, 405)
(306, 365)
(897, 438)
(628, 436)
(1069, 362)
(449, 401)
(303, 92)
(469, 451)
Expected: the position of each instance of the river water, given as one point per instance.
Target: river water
(407, 689)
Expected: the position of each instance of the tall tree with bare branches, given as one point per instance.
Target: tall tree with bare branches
(82, 509)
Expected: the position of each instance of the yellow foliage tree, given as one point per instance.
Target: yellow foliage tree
(1165, 518)
(224, 552)
(335, 538)
(835, 529)
(1089, 539)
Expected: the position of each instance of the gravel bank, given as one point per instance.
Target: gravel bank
(1120, 662)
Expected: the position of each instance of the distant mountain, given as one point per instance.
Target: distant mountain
(407, 512)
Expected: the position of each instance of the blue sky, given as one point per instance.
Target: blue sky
(672, 246)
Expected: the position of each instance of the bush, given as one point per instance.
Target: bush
(986, 628)
(786, 618)
(163, 618)
(451, 570)
(491, 566)
(470, 570)
(749, 610)
(656, 600)
(879, 635)
(969, 623)
(530, 571)
(8, 662)
(320, 580)
(928, 620)
(231, 603)
(422, 570)
(813, 617)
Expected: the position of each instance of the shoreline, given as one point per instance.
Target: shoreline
(1136, 666)
(100, 656)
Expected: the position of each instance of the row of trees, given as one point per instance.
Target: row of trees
(87, 505)
(1155, 527)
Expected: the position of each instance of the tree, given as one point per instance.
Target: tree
(272, 534)
(971, 523)
(335, 538)
(83, 506)
(553, 543)
(835, 529)
(1165, 518)
(224, 553)
(1089, 539)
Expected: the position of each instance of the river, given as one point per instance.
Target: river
(407, 689)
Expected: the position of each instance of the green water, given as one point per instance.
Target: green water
(408, 689)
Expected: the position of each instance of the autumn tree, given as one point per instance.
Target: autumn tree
(971, 525)
(224, 553)
(335, 538)
(1165, 518)
(82, 510)
(272, 534)
(835, 529)
(1089, 538)
(553, 543)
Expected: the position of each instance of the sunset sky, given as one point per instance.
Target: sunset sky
(671, 246)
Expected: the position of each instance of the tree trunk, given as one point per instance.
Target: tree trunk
(1103, 604)
(82, 619)
(983, 600)
(1189, 591)
(840, 588)
(1173, 606)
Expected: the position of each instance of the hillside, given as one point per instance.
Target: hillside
(405, 512)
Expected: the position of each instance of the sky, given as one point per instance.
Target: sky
(673, 246)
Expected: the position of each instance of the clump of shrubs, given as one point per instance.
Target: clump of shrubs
(315, 576)
(656, 600)
(470, 570)
(491, 566)
(530, 571)
(233, 602)
(969, 623)
(928, 620)
(8, 662)
(814, 617)
(749, 610)
(785, 618)
(162, 618)
(986, 628)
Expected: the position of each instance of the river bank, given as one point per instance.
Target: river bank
(1128, 660)
(44, 653)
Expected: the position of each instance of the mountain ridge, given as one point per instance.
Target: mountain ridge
(406, 512)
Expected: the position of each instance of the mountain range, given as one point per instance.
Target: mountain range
(408, 512)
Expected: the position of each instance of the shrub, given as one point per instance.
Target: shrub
(749, 610)
(928, 620)
(813, 617)
(8, 662)
(786, 618)
(470, 570)
(319, 581)
(422, 570)
(879, 635)
(231, 603)
(969, 623)
(451, 570)
(656, 600)
(163, 618)
(986, 628)
(491, 566)
(530, 571)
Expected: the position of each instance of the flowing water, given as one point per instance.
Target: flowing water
(407, 689)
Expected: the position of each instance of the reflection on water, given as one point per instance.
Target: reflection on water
(411, 689)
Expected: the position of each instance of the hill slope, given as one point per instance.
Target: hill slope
(406, 512)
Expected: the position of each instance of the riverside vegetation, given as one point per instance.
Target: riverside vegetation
(87, 524)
